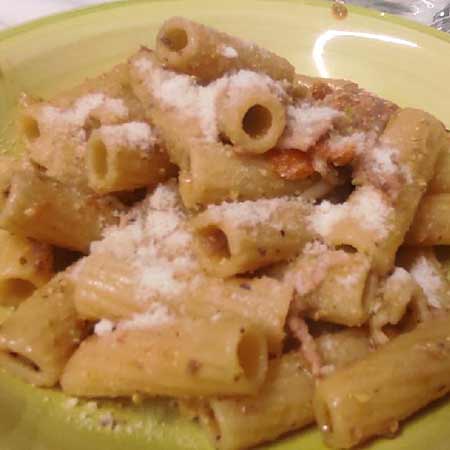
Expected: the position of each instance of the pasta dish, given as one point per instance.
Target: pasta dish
(204, 224)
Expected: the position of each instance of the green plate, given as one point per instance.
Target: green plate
(392, 57)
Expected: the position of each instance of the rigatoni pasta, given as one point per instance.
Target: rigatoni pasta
(195, 49)
(440, 184)
(37, 340)
(106, 288)
(287, 394)
(24, 266)
(255, 244)
(191, 131)
(332, 286)
(170, 359)
(382, 209)
(206, 179)
(44, 209)
(429, 274)
(431, 225)
(125, 157)
(344, 347)
(254, 120)
(56, 132)
(373, 395)
(238, 238)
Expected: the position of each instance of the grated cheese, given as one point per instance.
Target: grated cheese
(428, 278)
(184, 94)
(315, 248)
(338, 143)
(381, 164)
(104, 327)
(158, 314)
(250, 213)
(155, 241)
(247, 79)
(160, 279)
(165, 197)
(228, 52)
(133, 135)
(383, 160)
(348, 281)
(400, 275)
(312, 270)
(366, 207)
(76, 116)
(306, 124)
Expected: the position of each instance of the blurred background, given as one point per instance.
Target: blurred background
(435, 13)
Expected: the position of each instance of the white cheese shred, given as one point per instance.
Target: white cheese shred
(183, 93)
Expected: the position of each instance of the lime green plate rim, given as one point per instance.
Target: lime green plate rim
(407, 23)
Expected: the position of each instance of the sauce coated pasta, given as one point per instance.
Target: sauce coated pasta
(256, 244)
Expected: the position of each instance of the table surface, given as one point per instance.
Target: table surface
(431, 12)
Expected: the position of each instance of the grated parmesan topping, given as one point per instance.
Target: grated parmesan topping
(306, 124)
(133, 135)
(251, 213)
(104, 327)
(315, 248)
(348, 281)
(400, 275)
(165, 197)
(428, 278)
(156, 242)
(246, 79)
(380, 165)
(368, 209)
(338, 143)
(157, 314)
(383, 160)
(311, 272)
(182, 92)
(228, 52)
(76, 116)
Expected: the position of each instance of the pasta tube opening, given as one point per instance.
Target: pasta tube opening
(98, 159)
(15, 290)
(26, 363)
(125, 157)
(4, 195)
(257, 121)
(23, 366)
(39, 207)
(283, 404)
(252, 120)
(175, 39)
(7, 194)
(178, 42)
(38, 351)
(250, 349)
(214, 243)
(30, 128)
(207, 54)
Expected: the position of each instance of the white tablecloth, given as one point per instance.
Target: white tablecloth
(430, 12)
